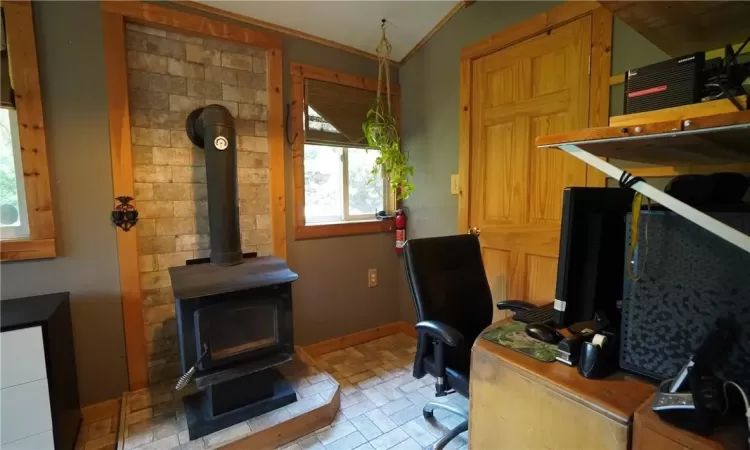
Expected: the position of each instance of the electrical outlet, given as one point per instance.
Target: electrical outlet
(454, 184)
(372, 278)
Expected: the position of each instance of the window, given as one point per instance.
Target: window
(337, 192)
(339, 183)
(14, 222)
(27, 229)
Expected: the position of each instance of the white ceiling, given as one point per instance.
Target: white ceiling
(352, 23)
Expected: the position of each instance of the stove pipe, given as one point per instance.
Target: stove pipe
(212, 128)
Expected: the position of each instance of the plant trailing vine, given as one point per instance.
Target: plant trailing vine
(381, 130)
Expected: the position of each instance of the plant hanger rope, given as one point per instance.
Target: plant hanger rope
(381, 130)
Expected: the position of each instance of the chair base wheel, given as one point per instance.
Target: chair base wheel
(427, 414)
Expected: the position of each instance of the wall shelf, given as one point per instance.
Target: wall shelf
(711, 139)
(679, 112)
(680, 28)
(717, 139)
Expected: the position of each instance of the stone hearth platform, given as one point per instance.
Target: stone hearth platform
(153, 418)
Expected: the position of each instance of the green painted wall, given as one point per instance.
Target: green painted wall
(430, 108)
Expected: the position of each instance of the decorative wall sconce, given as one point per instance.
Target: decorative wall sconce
(125, 215)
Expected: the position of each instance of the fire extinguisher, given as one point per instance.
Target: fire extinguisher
(400, 230)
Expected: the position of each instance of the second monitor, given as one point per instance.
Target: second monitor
(592, 254)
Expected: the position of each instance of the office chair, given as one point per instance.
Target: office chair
(454, 304)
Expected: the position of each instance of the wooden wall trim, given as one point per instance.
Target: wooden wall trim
(345, 79)
(122, 180)
(464, 146)
(19, 29)
(538, 24)
(113, 18)
(277, 149)
(152, 14)
(341, 229)
(601, 66)
(601, 60)
(298, 151)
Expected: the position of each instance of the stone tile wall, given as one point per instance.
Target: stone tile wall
(169, 75)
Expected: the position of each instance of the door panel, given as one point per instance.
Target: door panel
(537, 87)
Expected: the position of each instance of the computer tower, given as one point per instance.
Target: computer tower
(590, 264)
(690, 277)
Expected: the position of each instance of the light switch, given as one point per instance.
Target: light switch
(454, 184)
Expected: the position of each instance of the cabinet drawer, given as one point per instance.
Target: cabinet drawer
(41, 441)
(21, 357)
(24, 411)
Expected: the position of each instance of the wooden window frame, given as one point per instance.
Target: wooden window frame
(301, 72)
(601, 63)
(24, 68)
(114, 15)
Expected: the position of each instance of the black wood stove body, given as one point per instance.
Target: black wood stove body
(234, 313)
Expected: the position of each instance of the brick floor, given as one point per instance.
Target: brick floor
(381, 402)
(381, 408)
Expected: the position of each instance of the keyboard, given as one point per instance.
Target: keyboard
(542, 314)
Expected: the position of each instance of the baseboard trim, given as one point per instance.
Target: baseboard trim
(407, 328)
(359, 337)
(102, 410)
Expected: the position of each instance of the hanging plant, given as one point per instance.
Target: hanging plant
(381, 131)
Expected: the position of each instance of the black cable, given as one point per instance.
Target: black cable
(739, 50)
(730, 96)
(627, 180)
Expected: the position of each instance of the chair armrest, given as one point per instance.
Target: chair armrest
(440, 331)
(515, 305)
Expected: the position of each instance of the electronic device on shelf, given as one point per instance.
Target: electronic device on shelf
(592, 254)
(686, 80)
(666, 84)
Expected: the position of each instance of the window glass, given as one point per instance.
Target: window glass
(316, 122)
(324, 186)
(364, 198)
(13, 217)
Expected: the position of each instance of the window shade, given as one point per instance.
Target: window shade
(343, 108)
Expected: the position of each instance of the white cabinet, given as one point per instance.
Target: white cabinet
(21, 356)
(25, 416)
(36, 442)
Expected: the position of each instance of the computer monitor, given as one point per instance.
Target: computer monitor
(592, 254)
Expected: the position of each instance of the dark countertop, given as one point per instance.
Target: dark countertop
(29, 311)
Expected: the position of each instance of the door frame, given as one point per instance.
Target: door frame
(114, 15)
(601, 62)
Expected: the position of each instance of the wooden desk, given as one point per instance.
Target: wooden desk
(519, 403)
(650, 432)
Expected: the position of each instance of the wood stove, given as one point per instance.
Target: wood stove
(233, 312)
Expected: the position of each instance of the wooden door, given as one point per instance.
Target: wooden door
(537, 87)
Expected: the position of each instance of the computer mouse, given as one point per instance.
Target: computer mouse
(544, 333)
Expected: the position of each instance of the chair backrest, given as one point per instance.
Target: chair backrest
(448, 283)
